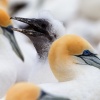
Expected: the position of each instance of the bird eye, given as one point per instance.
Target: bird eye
(86, 53)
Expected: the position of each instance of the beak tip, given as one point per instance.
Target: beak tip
(22, 59)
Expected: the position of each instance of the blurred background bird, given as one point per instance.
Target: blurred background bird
(29, 91)
(10, 51)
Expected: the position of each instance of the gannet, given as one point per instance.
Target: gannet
(76, 65)
(8, 51)
(52, 29)
(29, 91)
(6, 25)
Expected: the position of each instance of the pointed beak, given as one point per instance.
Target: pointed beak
(93, 60)
(10, 36)
(36, 28)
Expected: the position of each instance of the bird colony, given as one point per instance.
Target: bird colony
(49, 49)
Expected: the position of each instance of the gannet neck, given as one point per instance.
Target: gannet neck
(42, 46)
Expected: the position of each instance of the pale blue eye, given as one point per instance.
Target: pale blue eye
(86, 53)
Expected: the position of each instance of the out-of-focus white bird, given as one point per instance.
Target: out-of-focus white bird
(76, 65)
(49, 29)
(8, 50)
(90, 9)
(20, 7)
(29, 91)
(64, 11)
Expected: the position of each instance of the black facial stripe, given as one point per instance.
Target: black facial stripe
(9, 29)
(83, 59)
(96, 56)
(42, 94)
(94, 61)
(91, 55)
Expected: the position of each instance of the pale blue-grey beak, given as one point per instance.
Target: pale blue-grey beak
(90, 59)
(8, 32)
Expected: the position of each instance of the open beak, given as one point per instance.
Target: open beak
(93, 60)
(36, 29)
(10, 36)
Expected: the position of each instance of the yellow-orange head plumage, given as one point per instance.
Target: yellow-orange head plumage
(62, 52)
(4, 18)
(23, 91)
(4, 3)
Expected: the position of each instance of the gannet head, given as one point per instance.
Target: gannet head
(29, 91)
(44, 25)
(69, 52)
(23, 91)
(5, 28)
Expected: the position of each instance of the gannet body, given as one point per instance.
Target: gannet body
(76, 65)
(44, 26)
(79, 89)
